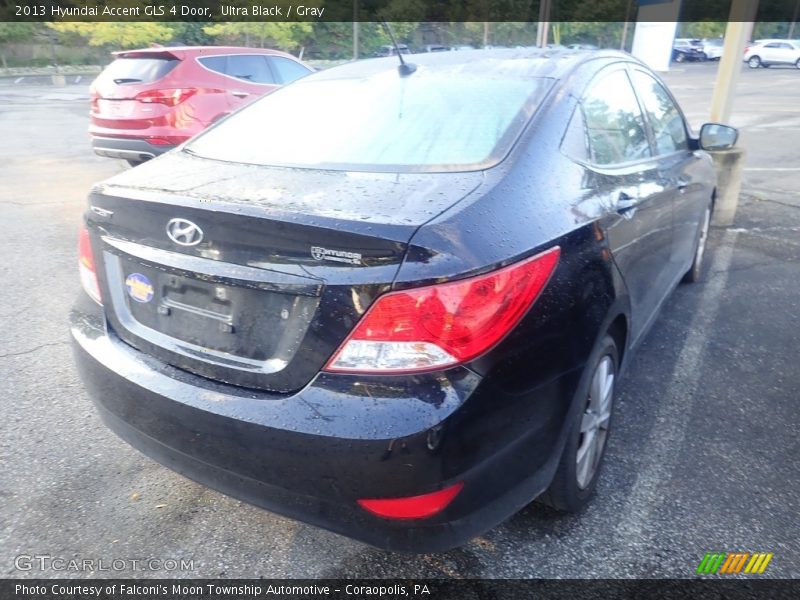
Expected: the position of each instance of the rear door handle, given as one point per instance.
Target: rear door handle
(240, 94)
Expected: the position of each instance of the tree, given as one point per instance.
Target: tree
(282, 35)
(15, 32)
(118, 35)
(190, 33)
(701, 30)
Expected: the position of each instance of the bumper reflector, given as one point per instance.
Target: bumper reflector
(412, 507)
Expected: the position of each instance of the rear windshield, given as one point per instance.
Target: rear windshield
(425, 122)
(138, 70)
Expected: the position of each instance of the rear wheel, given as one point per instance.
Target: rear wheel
(579, 467)
(696, 270)
(754, 62)
(134, 163)
(797, 64)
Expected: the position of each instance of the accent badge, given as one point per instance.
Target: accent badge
(139, 287)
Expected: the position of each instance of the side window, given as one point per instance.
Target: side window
(669, 130)
(250, 67)
(614, 121)
(214, 63)
(287, 69)
(575, 143)
(772, 45)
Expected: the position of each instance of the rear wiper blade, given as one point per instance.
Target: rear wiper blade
(127, 80)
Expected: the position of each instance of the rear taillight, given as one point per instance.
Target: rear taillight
(86, 266)
(441, 325)
(412, 507)
(168, 97)
(94, 99)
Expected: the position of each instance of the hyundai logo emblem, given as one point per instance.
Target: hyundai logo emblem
(184, 233)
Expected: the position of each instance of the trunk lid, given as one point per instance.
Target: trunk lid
(287, 260)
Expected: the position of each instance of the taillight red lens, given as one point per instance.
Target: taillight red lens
(441, 325)
(94, 99)
(412, 507)
(86, 266)
(168, 97)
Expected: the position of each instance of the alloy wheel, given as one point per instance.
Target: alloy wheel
(595, 421)
(701, 243)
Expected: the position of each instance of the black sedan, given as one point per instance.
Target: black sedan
(395, 302)
(688, 50)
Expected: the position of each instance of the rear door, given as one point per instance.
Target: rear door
(626, 176)
(679, 170)
(770, 52)
(253, 77)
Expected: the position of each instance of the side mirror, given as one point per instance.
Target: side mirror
(714, 136)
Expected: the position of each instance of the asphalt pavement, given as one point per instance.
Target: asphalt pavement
(703, 454)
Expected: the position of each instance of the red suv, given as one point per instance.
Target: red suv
(149, 101)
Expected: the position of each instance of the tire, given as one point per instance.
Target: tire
(797, 64)
(696, 270)
(575, 480)
(679, 57)
(754, 62)
(134, 163)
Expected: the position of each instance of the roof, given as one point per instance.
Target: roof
(520, 62)
(177, 50)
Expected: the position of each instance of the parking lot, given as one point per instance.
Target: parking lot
(703, 452)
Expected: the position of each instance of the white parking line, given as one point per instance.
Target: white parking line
(674, 410)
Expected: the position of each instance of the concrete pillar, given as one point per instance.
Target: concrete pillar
(730, 65)
(729, 165)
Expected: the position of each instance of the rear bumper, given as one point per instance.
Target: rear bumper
(310, 455)
(127, 148)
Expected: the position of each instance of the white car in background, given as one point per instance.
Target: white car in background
(712, 48)
(765, 53)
